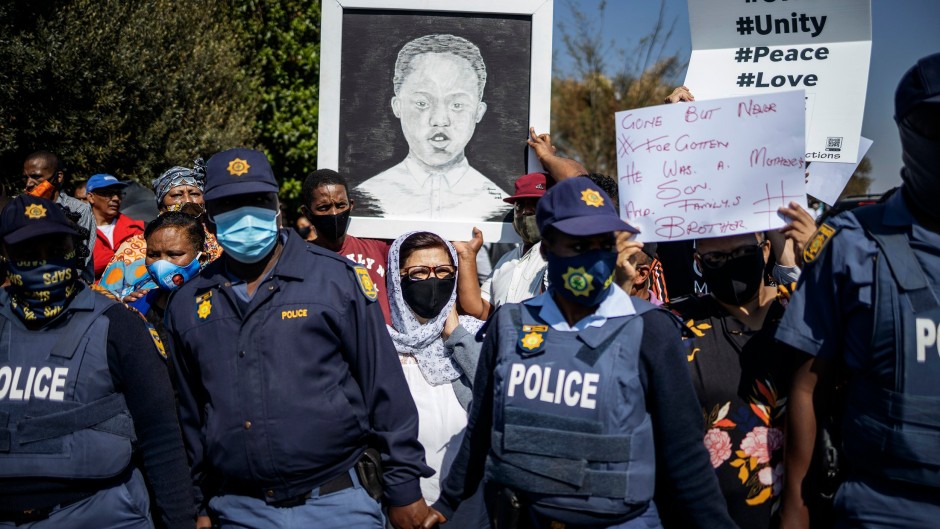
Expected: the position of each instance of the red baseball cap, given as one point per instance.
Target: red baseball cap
(531, 185)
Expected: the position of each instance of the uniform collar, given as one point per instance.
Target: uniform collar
(288, 265)
(616, 303)
(897, 213)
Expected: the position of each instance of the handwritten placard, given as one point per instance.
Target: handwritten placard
(712, 168)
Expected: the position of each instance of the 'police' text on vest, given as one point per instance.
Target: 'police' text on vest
(538, 382)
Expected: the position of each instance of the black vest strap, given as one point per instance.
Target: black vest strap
(69, 421)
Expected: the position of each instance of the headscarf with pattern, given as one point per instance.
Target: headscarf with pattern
(423, 340)
(180, 176)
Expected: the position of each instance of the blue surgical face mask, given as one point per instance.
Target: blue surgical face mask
(172, 276)
(582, 278)
(248, 233)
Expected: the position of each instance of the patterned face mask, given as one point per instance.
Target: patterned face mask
(40, 290)
(582, 278)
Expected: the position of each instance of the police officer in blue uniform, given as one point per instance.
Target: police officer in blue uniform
(287, 374)
(867, 312)
(581, 392)
(82, 388)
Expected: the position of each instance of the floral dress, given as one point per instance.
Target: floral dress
(741, 378)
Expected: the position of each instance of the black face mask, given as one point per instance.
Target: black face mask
(921, 172)
(427, 298)
(738, 280)
(303, 232)
(330, 227)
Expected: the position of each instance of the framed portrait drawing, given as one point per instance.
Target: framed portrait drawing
(425, 106)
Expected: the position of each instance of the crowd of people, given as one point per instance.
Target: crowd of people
(221, 366)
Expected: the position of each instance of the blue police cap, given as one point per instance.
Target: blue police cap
(920, 84)
(239, 172)
(578, 207)
(99, 181)
(27, 216)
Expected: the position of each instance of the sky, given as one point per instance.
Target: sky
(902, 32)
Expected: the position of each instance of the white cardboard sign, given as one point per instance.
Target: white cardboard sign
(748, 47)
(710, 168)
(827, 180)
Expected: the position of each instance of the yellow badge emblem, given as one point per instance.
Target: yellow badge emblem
(592, 198)
(238, 167)
(369, 290)
(578, 281)
(157, 341)
(35, 211)
(205, 308)
(532, 340)
(818, 242)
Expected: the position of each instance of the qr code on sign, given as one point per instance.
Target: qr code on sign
(833, 144)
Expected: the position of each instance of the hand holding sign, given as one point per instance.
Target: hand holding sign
(713, 168)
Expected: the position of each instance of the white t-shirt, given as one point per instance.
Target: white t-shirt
(441, 424)
(516, 277)
(108, 231)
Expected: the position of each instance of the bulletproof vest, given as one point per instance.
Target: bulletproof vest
(894, 432)
(570, 421)
(60, 416)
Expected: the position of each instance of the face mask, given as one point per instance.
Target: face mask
(189, 208)
(304, 232)
(582, 278)
(247, 234)
(40, 291)
(330, 227)
(921, 172)
(526, 227)
(43, 190)
(427, 298)
(737, 281)
(172, 276)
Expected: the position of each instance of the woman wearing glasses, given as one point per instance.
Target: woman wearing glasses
(438, 354)
(740, 373)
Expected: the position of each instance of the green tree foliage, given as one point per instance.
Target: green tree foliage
(129, 88)
(584, 101)
(285, 54)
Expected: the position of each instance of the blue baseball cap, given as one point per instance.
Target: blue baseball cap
(26, 217)
(99, 181)
(239, 172)
(578, 207)
(920, 84)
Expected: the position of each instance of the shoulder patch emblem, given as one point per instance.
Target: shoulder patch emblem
(157, 341)
(818, 242)
(369, 290)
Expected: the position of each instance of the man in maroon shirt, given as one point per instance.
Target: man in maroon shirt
(327, 206)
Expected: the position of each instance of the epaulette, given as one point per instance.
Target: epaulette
(363, 279)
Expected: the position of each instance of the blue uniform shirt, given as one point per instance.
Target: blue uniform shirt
(286, 394)
(830, 314)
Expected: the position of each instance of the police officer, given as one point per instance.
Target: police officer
(81, 385)
(581, 391)
(287, 374)
(867, 312)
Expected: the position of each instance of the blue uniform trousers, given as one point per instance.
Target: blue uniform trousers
(648, 520)
(873, 503)
(126, 506)
(345, 509)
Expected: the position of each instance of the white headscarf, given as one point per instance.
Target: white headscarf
(423, 341)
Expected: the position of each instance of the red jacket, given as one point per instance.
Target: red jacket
(124, 228)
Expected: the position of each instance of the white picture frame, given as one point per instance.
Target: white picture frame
(540, 67)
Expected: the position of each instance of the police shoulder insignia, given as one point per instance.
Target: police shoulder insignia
(369, 290)
(204, 305)
(157, 341)
(818, 242)
(532, 339)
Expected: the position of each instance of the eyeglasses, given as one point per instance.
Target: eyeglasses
(718, 259)
(107, 193)
(420, 273)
